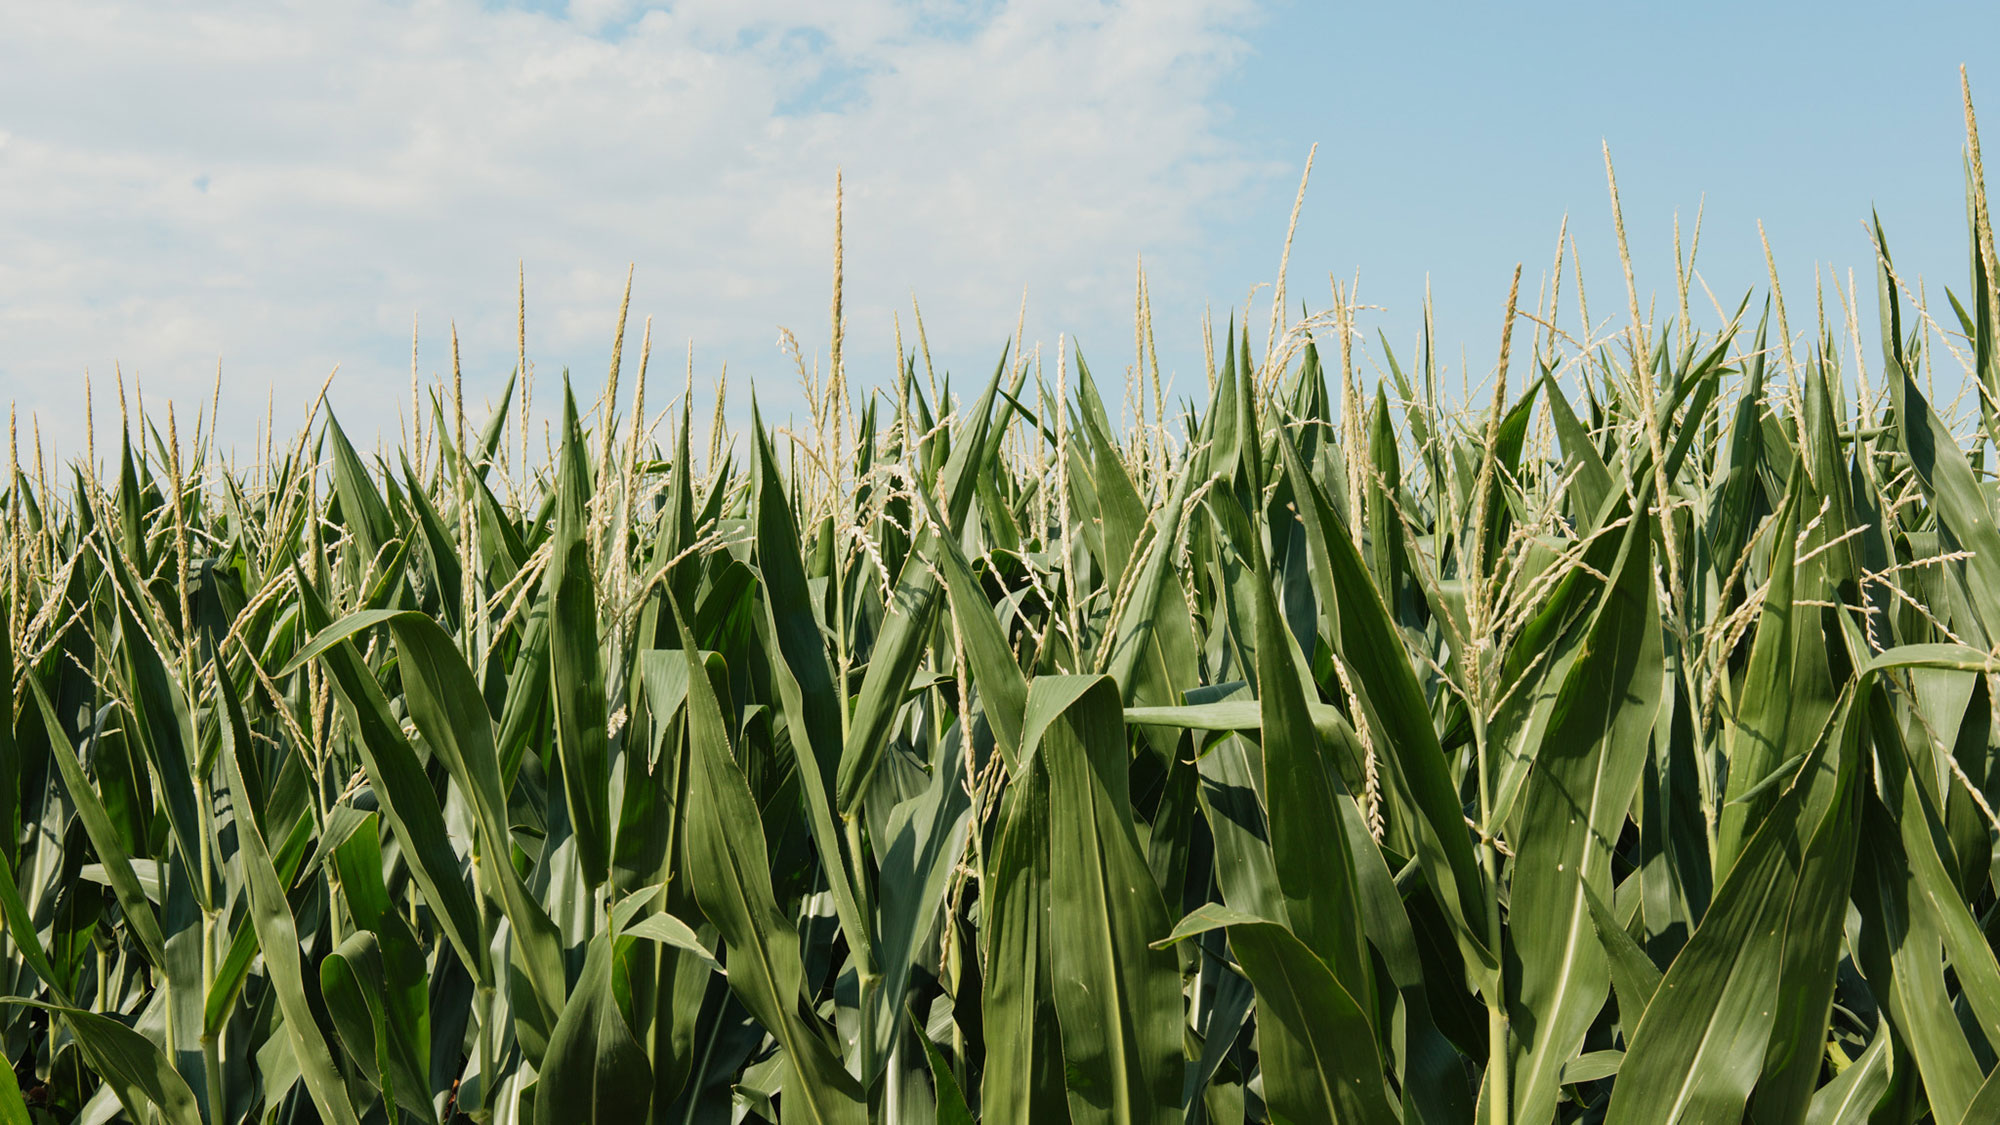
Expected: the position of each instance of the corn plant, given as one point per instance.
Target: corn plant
(1620, 746)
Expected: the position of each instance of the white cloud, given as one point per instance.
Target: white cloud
(284, 186)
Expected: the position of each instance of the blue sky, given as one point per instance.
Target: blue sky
(286, 187)
(1454, 138)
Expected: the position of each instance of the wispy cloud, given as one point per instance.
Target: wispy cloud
(286, 186)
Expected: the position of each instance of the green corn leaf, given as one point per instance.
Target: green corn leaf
(137, 1071)
(1388, 554)
(729, 870)
(1634, 977)
(1985, 1105)
(794, 626)
(361, 505)
(1318, 1056)
(1117, 998)
(445, 703)
(527, 699)
(576, 679)
(1003, 690)
(1853, 1095)
(21, 927)
(1232, 798)
(926, 836)
(951, 1108)
(384, 959)
(10, 751)
(441, 544)
(669, 930)
(1963, 511)
(1417, 770)
(594, 1070)
(165, 730)
(1314, 867)
(1900, 954)
(1585, 779)
(13, 1107)
(805, 680)
(1730, 518)
(1701, 1044)
(354, 985)
(1591, 478)
(1925, 846)
(234, 969)
(139, 913)
(1430, 1069)
(277, 932)
(1236, 715)
(1023, 1078)
(900, 644)
(1118, 504)
(1509, 438)
(397, 777)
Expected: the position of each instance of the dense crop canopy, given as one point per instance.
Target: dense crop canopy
(1621, 748)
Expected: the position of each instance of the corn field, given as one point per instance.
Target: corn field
(1621, 745)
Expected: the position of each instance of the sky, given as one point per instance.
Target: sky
(272, 190)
